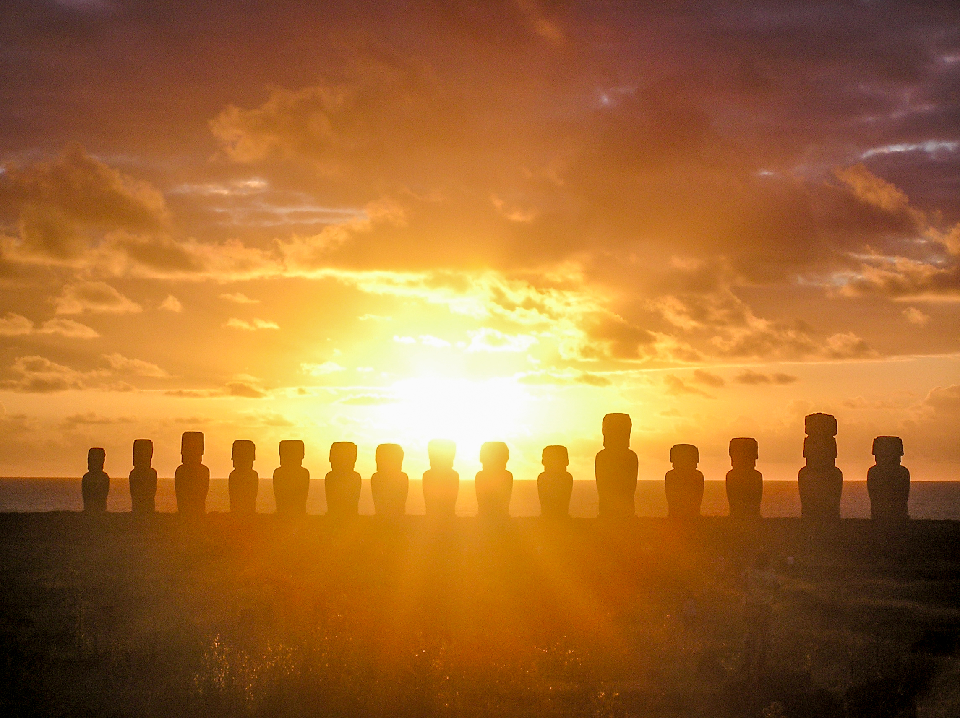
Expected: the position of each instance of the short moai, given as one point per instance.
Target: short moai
(684, 483)
(143, 478)
(441, 483)
(95, 484)
(494, 483)
(744, 482)
(191, 481)
(342, 484)
(243, 482)
(389, 484)
(820, 481)
(555, 484)
(888, 483)
(616, 468)
(291, 481)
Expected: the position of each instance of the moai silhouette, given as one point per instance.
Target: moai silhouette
(291, 481)
(555, 484)
(888, 483)
(494, 483)
(616, 468)
(440, 482)
(342, 483)
(744, 482)
(389, 484)
(143, 478)
(820, 481)
(191, 482)
(95, 484)
(684, 483)
(243, 482)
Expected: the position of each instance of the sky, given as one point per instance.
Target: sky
(497, 220)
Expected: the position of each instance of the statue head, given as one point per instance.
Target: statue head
(744, 452)
(555, 458)
(494, 455)
(142, 453)
(343, 455)
(820, 450)
(243, 453)
(291, 452)
(390, 458)
(684, 456)
(888, 449)
(820, 424)
(95, 458)
(191, 447)
(616, 431)
(442, 453)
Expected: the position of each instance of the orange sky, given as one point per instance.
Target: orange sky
(485, 221)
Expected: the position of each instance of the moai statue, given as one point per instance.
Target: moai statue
(744, 482)
(143, 478)
(342, 484)
(440, 482)
(191, 482)
(555, 484)
(291, 481)
(389, 484)
(616, 468)
(494, 483)
(243, 482)
(820, 481)
(888, 483)
(95, 484)
(684, 483)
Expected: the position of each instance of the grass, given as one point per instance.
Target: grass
(117, 617)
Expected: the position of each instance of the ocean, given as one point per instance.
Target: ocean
(928, 499)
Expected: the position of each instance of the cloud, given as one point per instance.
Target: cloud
(91, 418)
(96, 297)
(239, 298)
(704, 377)
(244, 389)
(915, 316)
(137, 367)
(558, 377)
(492, 340)
(753, 378)
(252, 325)
(944, 398)
(171, 304)
(39, 375)
(676, 386)
(14, 325)
(323, 369)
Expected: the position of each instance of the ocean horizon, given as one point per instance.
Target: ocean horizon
(928, 499)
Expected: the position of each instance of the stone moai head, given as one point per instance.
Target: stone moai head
(243, 453)
(555, 458)
(191, 447)
(744, 452)
(291, 452)
(820, 425)
(142, 453)
(684, 456)
(616, 431)
(442, 453)
(888, 449)
(820, 450)
(494, 455)
(343, 455)
(390, 458)
(95, 459)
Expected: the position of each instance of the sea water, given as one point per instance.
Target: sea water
(928, 499)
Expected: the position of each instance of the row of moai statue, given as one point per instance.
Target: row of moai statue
(616, 468)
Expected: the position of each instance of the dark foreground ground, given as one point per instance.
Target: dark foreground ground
(118, 618)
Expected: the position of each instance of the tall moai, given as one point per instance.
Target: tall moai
(143, 478)
(494, 483)
(616, 468)
(243, 482)
(342, 484)
(744, 482)
(820, 481)
(888, 482)
(95, 484)
(191, 481)
(555, 484)
(291, 481)
(684, 483)
(389, 484)
(441, 483)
